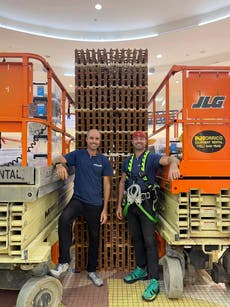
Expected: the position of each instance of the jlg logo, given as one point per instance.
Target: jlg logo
(205, 102)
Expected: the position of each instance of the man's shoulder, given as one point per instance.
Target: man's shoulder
(129, 157)
(126, 160)
(100, 154)
(153, 159)
(80, 152)
(154, 155)
(105, 162)
(77, 154)
(103, 157)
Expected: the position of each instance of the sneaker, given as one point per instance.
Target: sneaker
(59, 269)
(137, 274)
(95, 278)
(151, 291)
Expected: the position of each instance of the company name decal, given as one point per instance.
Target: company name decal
(208, 141)
(205, 102)
(8, 174)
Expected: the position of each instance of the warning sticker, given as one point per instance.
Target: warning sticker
(208, 141)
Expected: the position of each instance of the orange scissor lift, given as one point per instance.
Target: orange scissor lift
(32, 131)
(194, 211)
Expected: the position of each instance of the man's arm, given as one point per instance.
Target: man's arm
(107, 190)
(59, 164)
(173, 162)
(120, 196)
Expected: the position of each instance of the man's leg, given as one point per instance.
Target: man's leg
(138, 242)
(148, 231)
(71, 211)
(92, 215)
(69, 214)
(136, 235)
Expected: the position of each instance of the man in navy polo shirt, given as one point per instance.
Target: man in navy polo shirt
(137, 181)
(92, 187)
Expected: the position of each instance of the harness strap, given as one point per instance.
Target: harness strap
(149, 216)
(143, 164)
(134, 195)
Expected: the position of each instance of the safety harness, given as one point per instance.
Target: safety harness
(133, 193)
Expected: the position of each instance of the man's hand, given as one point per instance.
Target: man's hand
(119, 212)
(61, 171)
(173, 163)
(104, 217)
(174, 172)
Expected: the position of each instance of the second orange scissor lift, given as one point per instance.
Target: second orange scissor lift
(194, 211)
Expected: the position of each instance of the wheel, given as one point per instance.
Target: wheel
(218, 272)
(227, 286)
(173, 277)
(40, 292)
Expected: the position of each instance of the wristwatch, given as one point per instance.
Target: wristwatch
(57, 163)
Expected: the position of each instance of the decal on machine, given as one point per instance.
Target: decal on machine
(207, 102)
(208, 141)
(10, 174)
(14, 174)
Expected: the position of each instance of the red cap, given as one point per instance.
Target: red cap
(139, 134)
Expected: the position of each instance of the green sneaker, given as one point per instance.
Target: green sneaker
(151, 291)
(137, 274)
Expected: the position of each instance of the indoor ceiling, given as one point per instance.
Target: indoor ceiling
(54, 29)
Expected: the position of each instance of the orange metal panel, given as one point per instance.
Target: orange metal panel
(202, 168)
(206, 141)
(205, 121)
(10, 127)
(206, 97)
(16, 94)
(14, 86)
(206, 94)
(206, 186)
(206, 144)
(55, 252)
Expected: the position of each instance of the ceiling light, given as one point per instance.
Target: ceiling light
(213, 20)
(159, 56)
(98, 6)
(108, 36)
(67, 74)
(121, 36)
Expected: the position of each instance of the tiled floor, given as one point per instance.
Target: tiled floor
(80, 292)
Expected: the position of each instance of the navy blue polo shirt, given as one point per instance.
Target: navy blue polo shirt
(151, 166)
(89, 172)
